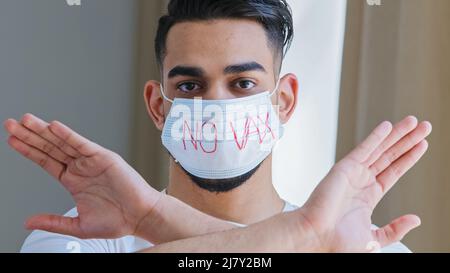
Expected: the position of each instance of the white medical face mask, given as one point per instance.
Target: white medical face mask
(218, 139)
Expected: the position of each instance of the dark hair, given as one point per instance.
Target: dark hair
(274, 15)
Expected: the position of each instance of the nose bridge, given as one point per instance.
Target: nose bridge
(217, 91)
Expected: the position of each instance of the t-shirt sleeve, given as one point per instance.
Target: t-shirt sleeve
(45, 242)
(396, 248)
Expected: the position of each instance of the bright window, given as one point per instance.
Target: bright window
(307, 150)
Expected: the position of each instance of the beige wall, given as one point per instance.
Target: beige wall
(397, 62)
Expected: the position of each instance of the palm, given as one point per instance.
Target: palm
(347, 196)
(353, 222)
(91, 187)
(100, 182)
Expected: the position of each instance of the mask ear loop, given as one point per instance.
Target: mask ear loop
(276, 88)
(161, 88)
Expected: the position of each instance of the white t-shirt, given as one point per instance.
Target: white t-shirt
(41, 241)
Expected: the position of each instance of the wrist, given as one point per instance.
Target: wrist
(150, 217)
(307, 237)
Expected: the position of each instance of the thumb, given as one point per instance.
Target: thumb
(55, 224)
(396, 230)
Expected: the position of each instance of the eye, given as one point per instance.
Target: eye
(188, 87)
(245, 84)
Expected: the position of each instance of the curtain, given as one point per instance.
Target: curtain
(396, 63)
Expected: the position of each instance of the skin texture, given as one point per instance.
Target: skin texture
(335, 218)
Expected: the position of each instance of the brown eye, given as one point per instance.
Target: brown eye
(245, 84)
(188, 87)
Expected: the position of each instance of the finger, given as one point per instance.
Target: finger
(401, 147)
(19, 131)
(368, 146)
(56, 224)
(41, 128)
(49, 164)
(391, 175)
(396, 230)
(400, 130)
(84, 146)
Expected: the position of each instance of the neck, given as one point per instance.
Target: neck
(253, 201)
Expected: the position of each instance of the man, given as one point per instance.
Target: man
(228, 53)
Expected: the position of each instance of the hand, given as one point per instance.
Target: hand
(111, 197)
(339, 210)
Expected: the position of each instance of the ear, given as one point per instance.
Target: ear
(154, 103)
(287, 97)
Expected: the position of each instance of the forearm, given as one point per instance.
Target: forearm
(281, 233)
(171, 220)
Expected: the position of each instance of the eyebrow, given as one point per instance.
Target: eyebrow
(244, 67)
(190, 71)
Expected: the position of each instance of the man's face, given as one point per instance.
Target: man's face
(220, 59)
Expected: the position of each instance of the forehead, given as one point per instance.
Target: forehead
(216, 44)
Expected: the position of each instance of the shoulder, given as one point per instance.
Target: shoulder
(42, 241)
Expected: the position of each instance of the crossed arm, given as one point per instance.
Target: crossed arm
(335, 218)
